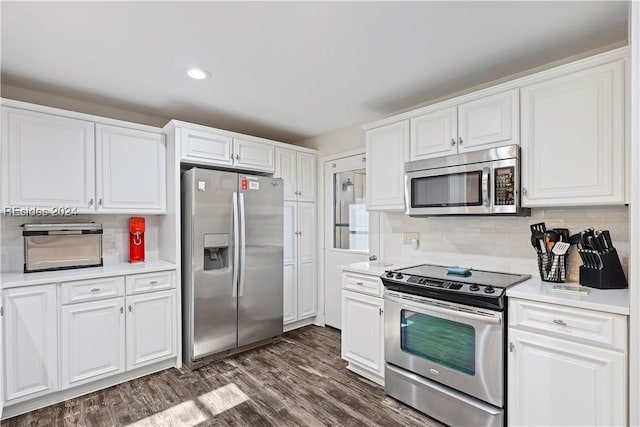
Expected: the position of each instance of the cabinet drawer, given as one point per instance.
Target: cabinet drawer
(362, 283)
(593, 327)
(148, 282)
(91, 289)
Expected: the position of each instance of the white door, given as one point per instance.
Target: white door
(306, 177)
(47, 161)
(92, 340)
(286, 169)
(151, 328)
(31, 341)
(254, 155)
(573, 139)
(362, 330)
(434, 134)
(575, 384)
(290, 293)
(351, 233)
(307, 261)
(131, 170)
(206, 147)
(492, 121)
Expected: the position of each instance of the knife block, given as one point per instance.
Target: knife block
(609, 276)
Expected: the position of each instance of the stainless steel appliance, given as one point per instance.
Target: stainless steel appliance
(60, 246)
(485, 182)
(445, 342)
(232, 249)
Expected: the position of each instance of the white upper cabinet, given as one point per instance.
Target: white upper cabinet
(434, 134)
(573, 139)
(131, 170)
(487, 122)
(298, 170)
(206, 147)
(47, 160)
(387, 149)
(492, 121)
(253, 155)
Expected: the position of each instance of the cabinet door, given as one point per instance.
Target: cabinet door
(434, 134)
(307, 265)
(290, 292)
(306, 231)
(488, 122)
(151, 328)
(574, 384)
(92, 341)
(48, 161)
(205, 148)
(306, 170)
(573, 139)
(362, 331)
(290, 252)
(254, 155)
(286, 169)
(31, 341)
(131, 170)
(387, 151)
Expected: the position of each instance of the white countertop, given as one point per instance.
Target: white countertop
(608, 300)
(14, 279)
(374, 268)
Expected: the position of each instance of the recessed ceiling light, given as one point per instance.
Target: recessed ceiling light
(198, 74)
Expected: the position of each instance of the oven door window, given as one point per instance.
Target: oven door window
(446, 342)
(456, 189)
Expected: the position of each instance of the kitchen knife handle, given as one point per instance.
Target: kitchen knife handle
(236, 246)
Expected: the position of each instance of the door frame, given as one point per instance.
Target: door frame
(319, 320)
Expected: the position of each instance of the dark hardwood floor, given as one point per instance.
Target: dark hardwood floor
(300, 381)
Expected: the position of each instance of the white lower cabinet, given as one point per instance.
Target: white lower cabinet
(30, 342)
(151, 328)
(92, 341)
(560, 376)
(363, 329)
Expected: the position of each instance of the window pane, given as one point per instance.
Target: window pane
(443, 341)
(351, 219)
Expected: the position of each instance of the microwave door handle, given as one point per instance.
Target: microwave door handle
(486, 172)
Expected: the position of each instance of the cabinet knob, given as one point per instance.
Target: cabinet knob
(560, 322)
(95, 290)
(237, 156)
(153, 282)
(453, 142)
(460, 140)
(380, 310)
(511, 347)
(360, 283)
(121, 310)
(129, 308)
(100, 202)
(524, 191)
(90, 202)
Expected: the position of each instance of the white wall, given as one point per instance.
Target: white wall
(349, 138)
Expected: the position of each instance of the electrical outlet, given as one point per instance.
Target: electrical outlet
(406, 237)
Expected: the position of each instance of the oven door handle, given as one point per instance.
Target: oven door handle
(432, 308)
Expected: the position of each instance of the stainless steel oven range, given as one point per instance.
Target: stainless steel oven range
(445, 340)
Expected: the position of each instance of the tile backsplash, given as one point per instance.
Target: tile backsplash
(115, 238)
(497, 243)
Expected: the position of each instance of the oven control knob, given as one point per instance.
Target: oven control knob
(474, 288)
(390, 274)
(399, 276)
(489, 290)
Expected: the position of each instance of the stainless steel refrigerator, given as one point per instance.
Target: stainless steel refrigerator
(232, 249)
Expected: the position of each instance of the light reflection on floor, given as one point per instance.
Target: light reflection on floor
(192, 413)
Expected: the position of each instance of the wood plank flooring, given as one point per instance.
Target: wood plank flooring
(300, 381)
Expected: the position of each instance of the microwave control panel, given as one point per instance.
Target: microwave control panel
(505, 186)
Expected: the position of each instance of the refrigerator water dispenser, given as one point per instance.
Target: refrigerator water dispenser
(216, 251)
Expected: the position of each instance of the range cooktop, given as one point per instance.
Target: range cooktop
(478, 288)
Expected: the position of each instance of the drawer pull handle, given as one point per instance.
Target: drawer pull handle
(153, 282)
(95, 290)
(360, 283)
(559, 322)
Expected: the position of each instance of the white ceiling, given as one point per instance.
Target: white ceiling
(288, 70)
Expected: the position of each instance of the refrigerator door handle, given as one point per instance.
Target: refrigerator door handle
(242, 245)
(236, 246)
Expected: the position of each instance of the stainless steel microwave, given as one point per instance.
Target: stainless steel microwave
(485, 182)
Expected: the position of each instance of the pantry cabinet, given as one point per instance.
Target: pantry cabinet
(487, 122)
(569, 361)
(47, 161)
(363, 325)
(298, 170)
(30, 342)
(51, 162)
(387, 149)
(131, 170)
(573, 139)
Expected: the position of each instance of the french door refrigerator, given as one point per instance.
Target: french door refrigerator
(232, 249)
